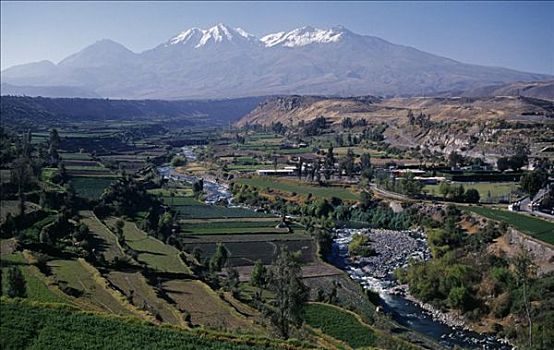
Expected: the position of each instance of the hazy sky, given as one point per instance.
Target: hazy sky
(517, 35)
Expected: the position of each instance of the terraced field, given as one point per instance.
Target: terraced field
(159, 256)
(212, 211)
(45, 327)
(209, 227)
(340, 324)
(12, 207)
(143, 296)
(104, 240)
(246, 249)
(37, 284)
(96, 295)
(91, 187)
(212, 312)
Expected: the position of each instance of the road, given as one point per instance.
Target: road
(526, 207)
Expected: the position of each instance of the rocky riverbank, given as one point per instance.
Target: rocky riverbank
(393, 250)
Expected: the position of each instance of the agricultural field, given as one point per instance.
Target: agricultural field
(179, 201)
(91, 187)
(340, 324)
(37, 284)
(26, 325)
(104, 241)
(489, 192)
(66, 156)
(93, 292)
(207, 227)
(298, 187)
(143, 296)
(12, 207)
(341, 151)
(247, 249)
(156, 254)
(177, 192)
(205, 211)
(5, 175)
(212, 312)
(247, 168)
(537, 228)
(198, 218)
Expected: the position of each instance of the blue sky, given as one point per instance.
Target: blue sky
(518, 35)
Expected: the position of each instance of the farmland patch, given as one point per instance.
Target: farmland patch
(340, 324)
(156, 254)
(212, 312)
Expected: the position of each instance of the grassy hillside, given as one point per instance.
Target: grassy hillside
(40, 326)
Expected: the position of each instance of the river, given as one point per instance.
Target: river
(393, 248)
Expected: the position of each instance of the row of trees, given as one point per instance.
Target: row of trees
(458, 193)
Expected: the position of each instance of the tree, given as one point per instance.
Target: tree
(365, 161)
(458, 193)
(16, 283)
(503, 163)
(347, 123)
(165, 224)
(458, 298)
(455, 159)
(9, 228)
(517, 161)
(348, 163)
(198, 187)
(54, 145)
(411, 186)
(366, 200)
(524, 271)
(533, 181)
(258, 276)
(290, 293)
(219, 259)
(444, 189)
(178, 161)
(329, 163)
(232, 282)
(472, 196)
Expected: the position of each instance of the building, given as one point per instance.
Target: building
(277, 172)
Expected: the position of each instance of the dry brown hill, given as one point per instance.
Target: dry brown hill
(290, 110)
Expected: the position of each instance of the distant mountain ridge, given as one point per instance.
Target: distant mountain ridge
(225, 62)
(38, 110)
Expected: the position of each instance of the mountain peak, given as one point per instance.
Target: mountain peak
(305, 36)
(102, 52)
(220, 33)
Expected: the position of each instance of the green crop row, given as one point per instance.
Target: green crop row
(29, 325)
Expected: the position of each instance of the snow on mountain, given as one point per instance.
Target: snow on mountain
(220, 33)
(304, 36)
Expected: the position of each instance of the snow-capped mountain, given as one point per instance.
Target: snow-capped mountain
(229, 62)
(304, 36)
(217, 35)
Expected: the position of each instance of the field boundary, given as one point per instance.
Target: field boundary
(104, 283)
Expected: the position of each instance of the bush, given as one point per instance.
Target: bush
(178, 161)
